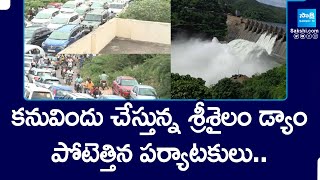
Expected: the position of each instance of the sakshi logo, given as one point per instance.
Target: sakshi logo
(307, 18)
(5, 4)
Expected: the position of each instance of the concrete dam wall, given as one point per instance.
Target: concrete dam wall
(258, 31)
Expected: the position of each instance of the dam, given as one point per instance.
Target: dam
(271, 36)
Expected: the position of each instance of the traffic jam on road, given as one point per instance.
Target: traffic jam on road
(58, 25)
(59, 78)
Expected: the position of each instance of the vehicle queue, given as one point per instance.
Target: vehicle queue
(50, 76)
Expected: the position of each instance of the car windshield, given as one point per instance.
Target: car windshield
(43, 15)
(116, 6)
(27, 65)
(52, 81)
(59, 35)
(92, 17)
(69, 5)
(43, 74)
(28, 32)
(62, 92)
(97, 5)
(81, 11)
(41, 95)
(147, 92)
(128, 82)
(60, 20)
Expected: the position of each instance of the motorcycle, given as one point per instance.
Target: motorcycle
(103, 84)
(69, 79)
(63, 72)
(78, 88)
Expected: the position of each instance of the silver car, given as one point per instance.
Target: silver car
(143, 92)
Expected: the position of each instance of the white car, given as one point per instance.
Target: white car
(116, 7)
(82, 10)
(70, 6)
(30, 49)
(143, 92)
(32, 92)
(45, 16)
(63, 19)
(35, 74)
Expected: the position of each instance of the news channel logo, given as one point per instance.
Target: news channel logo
(307, 18)
(5, 4)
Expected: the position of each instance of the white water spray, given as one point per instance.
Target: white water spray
(213, 61)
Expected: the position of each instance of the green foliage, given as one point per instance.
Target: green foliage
(255, 10)
(226, 89)
(199, 16)
(153, 70)
(268, 85)
(149, 10)
(187, 87)
(39, 3)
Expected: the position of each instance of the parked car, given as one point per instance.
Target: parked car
(63, 19)
(35, 74)
(77, 96)
(116, 7)
(99, 5)
(27, 67)
(45, 16)
(36, 35)
(123, 85)
(33, 50)
(59, 91)
(70, 6)
(95, 18)
(63, 37)
(110, 97)
(143, 92)
(54, 5)
(32, 92)
(46, 81)
(82, 11)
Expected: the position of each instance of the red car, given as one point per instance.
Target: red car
(123, 85)
(54, 5)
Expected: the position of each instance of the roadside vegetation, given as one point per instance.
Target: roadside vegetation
(268, 85)
(149, 10)
(153, 70)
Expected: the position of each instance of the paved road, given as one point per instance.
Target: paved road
(76, 70)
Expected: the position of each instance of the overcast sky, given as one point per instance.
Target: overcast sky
(278, 3)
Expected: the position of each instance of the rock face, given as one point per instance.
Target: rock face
(239, 78)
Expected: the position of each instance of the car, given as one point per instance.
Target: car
(63, 37)
(35, 74)
(33, 50)
(26, 80)
(29, 59)
(143, 92)
(99, 5)
(95, 18)
(77, 96)
(83, 10)
(27, 67)
(70, 6)
(46, 80)
(59, 91)
(110, 97)
(36, 35)
(48, 67)
(63, 19)
(45, 16)
(32, 92)
(54, 5)
(27, 23)
(122, 86)
(116, 7)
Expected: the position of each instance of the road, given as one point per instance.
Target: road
(76, 70)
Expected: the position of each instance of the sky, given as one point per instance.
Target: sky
(278, 3)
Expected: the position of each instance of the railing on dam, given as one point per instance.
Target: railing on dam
(253, 29)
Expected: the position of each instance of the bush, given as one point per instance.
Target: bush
(149, 10)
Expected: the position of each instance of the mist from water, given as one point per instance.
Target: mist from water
(213, 61)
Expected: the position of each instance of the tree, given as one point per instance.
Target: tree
(149, 10)
(227, 89)
(199, 17)
(187, 87)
